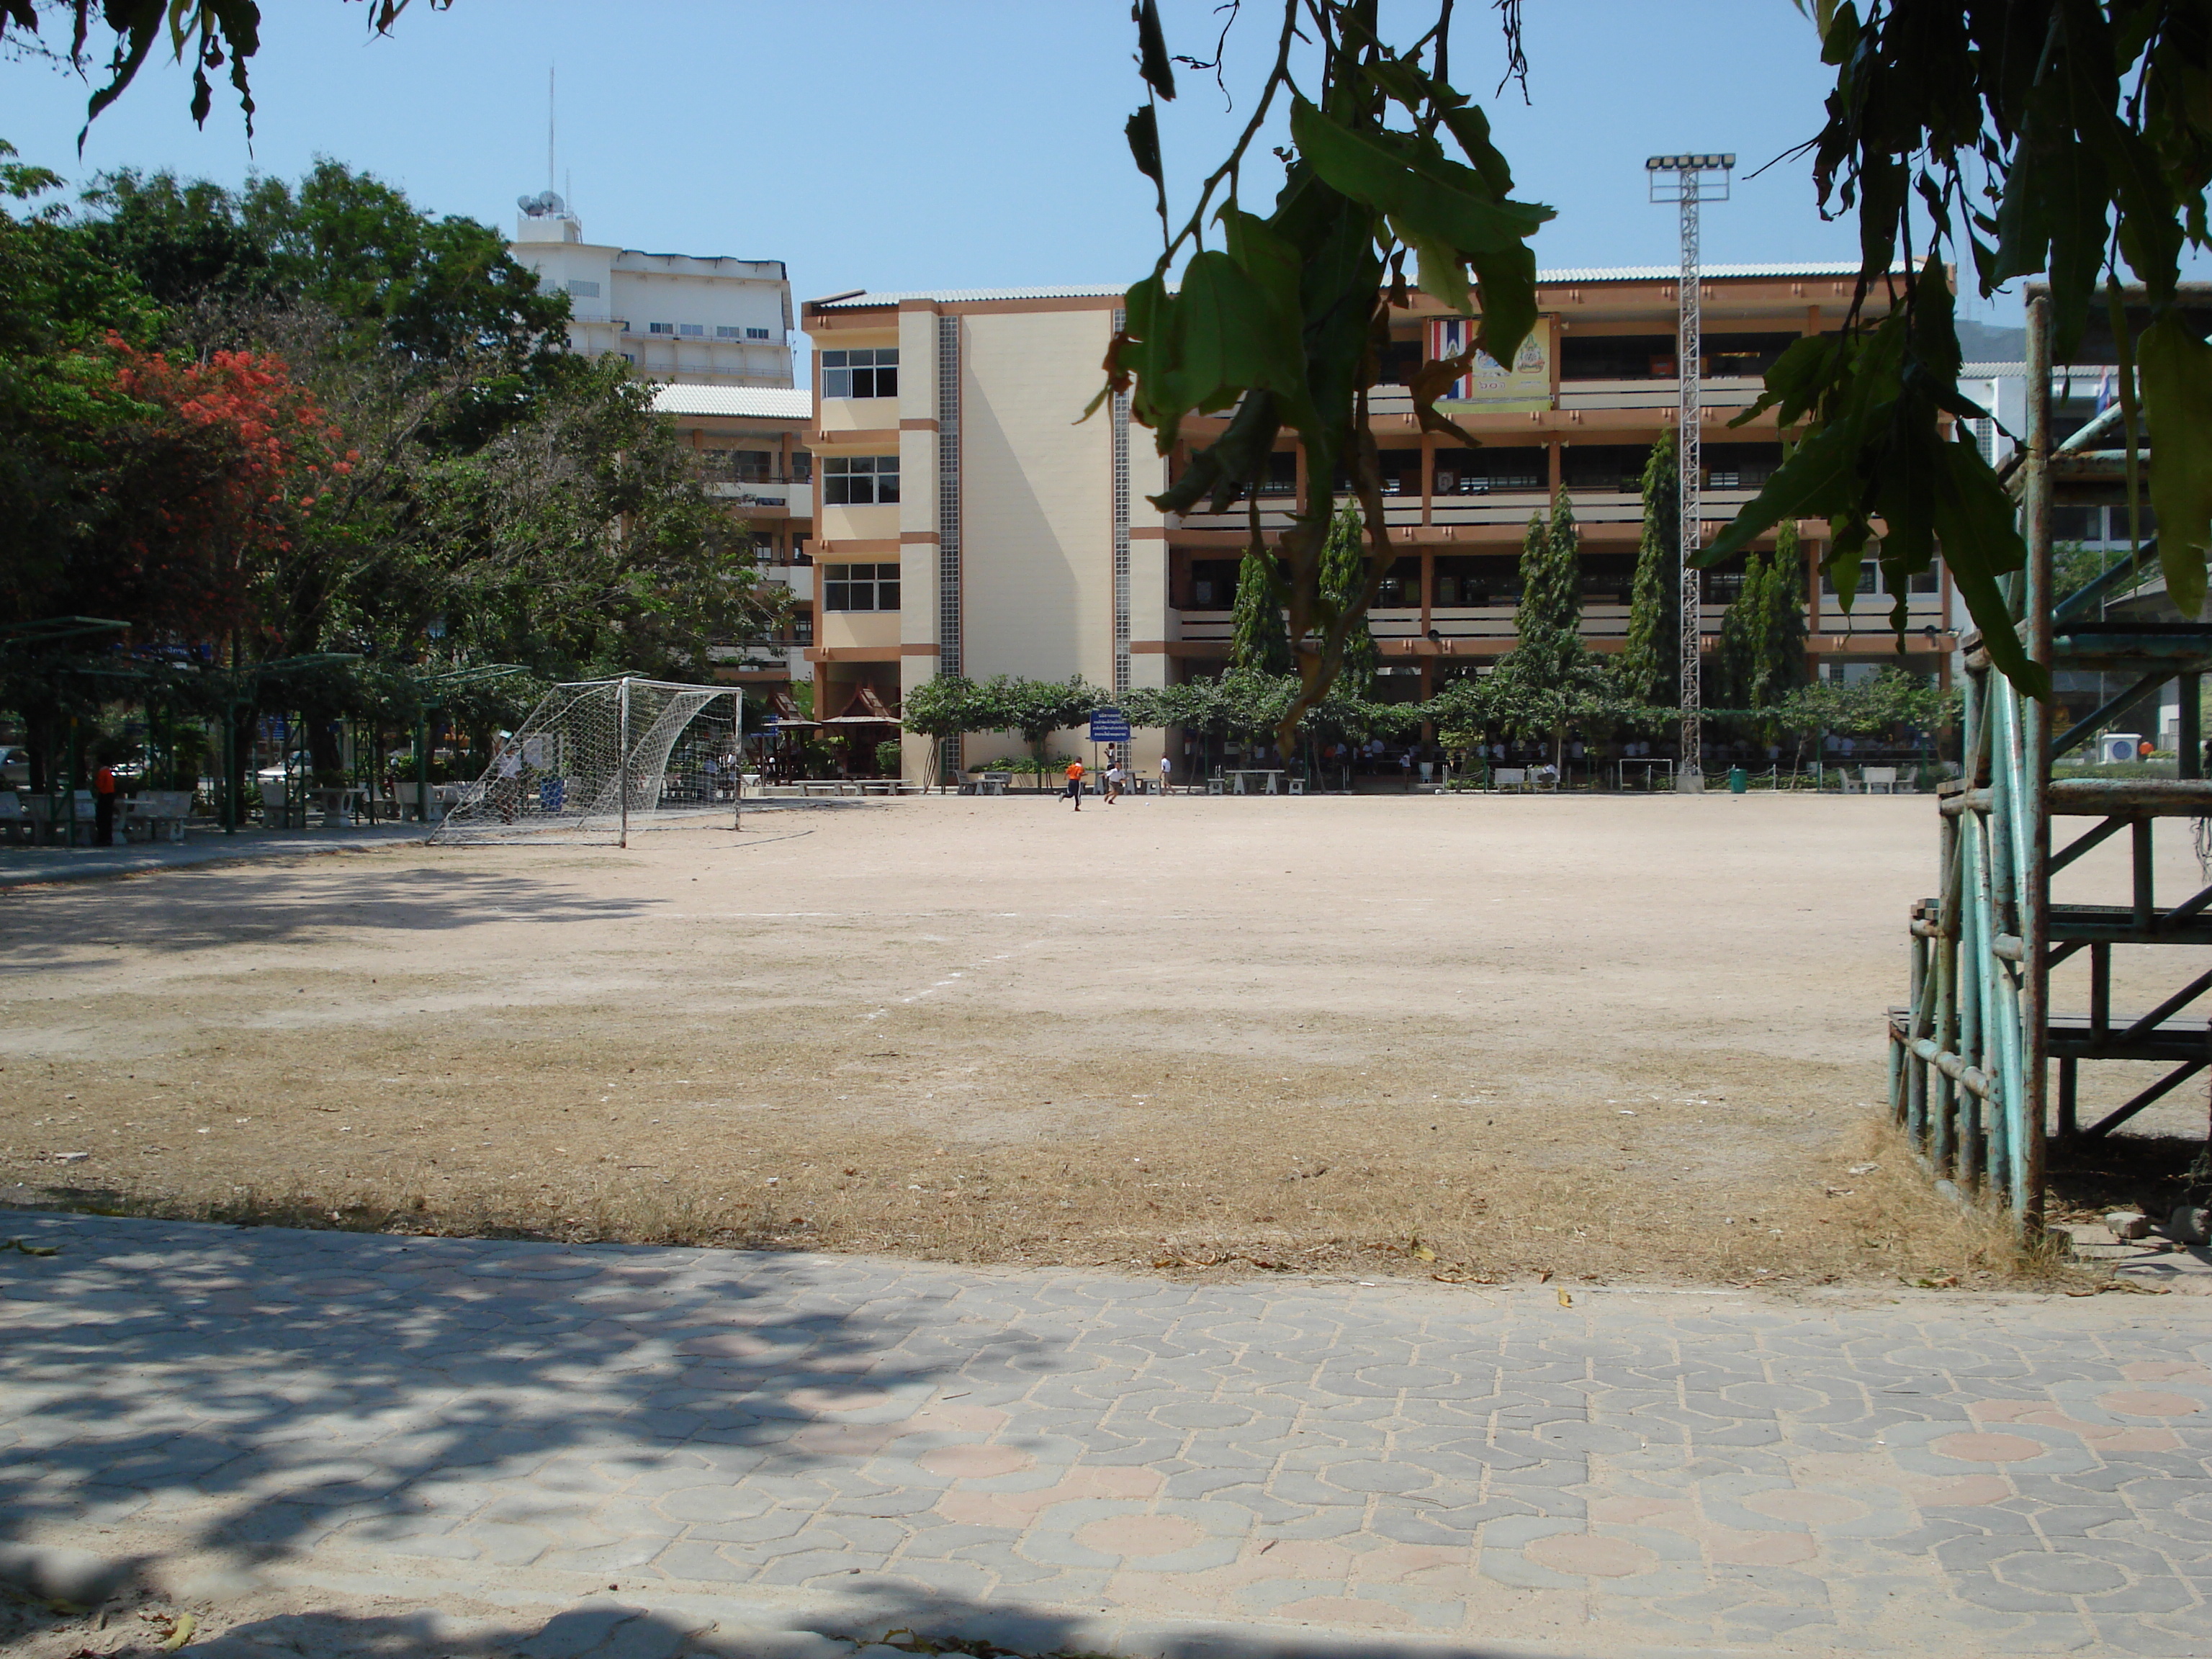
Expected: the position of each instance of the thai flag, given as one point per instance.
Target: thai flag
(1448, 337)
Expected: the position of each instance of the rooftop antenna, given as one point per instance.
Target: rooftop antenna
(551, 71)
(1690, 179)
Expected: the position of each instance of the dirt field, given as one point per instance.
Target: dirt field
(1480, 1037)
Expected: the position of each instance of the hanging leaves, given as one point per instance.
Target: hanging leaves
(2058, 136)
(1282, 324)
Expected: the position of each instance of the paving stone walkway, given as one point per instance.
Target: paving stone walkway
(783, 1445)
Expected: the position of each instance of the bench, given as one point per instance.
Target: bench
(157, 815)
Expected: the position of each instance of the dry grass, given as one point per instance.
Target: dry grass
(906, 1033)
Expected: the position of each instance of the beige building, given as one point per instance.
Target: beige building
(969, 522)
(753, 445)
(702, 320)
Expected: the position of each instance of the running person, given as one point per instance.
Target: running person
(1075, 783)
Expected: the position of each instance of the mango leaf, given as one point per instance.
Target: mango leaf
(1153, 60)
(1229, 464)
(1976, 523)
(1793, 385)
(1410, 180)
(2177, 394)
(1505, 285)
(1226, 336)
(1143, 132)
(1472, 128)
(1819, 479)
(1440, 272)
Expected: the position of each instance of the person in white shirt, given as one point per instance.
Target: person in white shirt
(1115, 778)
(1167, 774)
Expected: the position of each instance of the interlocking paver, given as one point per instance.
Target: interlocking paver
(1909, 1476)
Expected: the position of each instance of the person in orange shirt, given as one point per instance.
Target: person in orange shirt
(1075, 783)
(103, 807)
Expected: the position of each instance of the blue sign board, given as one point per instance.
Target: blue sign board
(1109, 725)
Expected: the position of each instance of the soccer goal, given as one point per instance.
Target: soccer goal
(598, 760)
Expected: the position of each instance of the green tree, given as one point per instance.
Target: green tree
(1344, 586)
(940, 709)
(1258, 640)
(1035, 709)
(1549, 672)
(1651, 661)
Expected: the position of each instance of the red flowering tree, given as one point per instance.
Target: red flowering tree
(211, 471)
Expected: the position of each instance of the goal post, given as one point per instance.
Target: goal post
(596, 760)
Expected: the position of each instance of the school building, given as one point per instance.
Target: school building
(969, 522)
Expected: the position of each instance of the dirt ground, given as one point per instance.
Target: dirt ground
(1480, 1037)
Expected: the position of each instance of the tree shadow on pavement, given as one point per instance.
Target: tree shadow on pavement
(53, 929)
(240, 1396)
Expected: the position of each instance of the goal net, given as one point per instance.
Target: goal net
(599, 760)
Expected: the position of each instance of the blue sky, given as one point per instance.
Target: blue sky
(939, 142)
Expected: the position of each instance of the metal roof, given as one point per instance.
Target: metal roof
(867, 301)
(760, 402)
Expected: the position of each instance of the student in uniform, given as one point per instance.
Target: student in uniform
(1075, 783)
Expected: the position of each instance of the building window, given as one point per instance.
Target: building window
(860, 374)
(762, 334)
(799, 553)
(724, 333)
(582, 290)
(738, 465)
(660, 328)
(860, 587)
(858, 480)
(692, 331)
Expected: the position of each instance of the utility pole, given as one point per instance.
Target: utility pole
(1688, 180)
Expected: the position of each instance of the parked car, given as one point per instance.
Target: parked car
(15, 768)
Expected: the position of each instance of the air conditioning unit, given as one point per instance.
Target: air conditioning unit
(2116, 746)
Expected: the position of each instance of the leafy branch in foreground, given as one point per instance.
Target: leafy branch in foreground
(2065, 136)
(1285, 320)
(208, 33)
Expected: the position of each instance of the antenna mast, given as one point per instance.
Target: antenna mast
(551, 71)
(1688, 180)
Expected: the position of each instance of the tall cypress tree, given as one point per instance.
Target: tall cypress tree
(1762, 646)
(1551, 615)
(1259, 638)
(1343, 583)
(1548, 667)
(1651, 659)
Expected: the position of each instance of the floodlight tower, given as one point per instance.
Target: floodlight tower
(1690, 179)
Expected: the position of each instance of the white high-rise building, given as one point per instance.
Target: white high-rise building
(695, 320)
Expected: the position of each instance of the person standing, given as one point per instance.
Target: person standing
(1075, 783)
(1167, 775)
(103, 807)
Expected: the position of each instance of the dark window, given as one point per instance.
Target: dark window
(1402, 471)
(860, 480)
(762, 334)
(861, 373)
(1613, 467)
(738, 465)
(860, 587)
(1481, 471)
(1616, 356)
(1212, 584)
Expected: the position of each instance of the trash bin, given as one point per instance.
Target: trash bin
(1739, 780)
